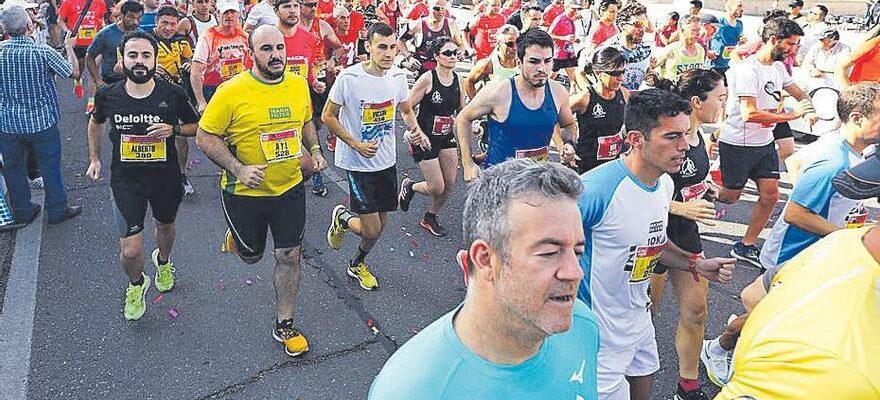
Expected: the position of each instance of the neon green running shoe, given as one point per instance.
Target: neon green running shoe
(164, 277)
(363, 276)
(135, 300)
(336, 232)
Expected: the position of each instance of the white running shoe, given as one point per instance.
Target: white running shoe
(718, 368)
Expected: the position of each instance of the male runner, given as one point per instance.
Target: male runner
(484, 27)
(174, 56)
(624, 211)
(106, 44)
(255, 128)
(500, 65)
(729, 30)
(263, 13)
(148, 22)
(746, 149)
(522, 110)
(520, 332)
(220, 54)
(562, 30)
(424, 31)
(633, 22)
(199, 21)
(92, 22)
(145, 113)
(361, 112)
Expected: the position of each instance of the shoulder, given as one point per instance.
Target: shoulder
(600, 184)
(584, 318)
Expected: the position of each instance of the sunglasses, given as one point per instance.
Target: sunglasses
(615, 73)
(450, 53)
(437, 8)
(310, 5)
(637, 24)
(510, 44)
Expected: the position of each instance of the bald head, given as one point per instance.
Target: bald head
(270, 57)
(264, 34)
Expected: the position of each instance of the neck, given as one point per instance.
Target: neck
(262, 78)
(603, 91)
(505, 59)
(696, 124)
(286, 30)
(203, 16)
(139, 90)
(732, 18)
(524, 88)
(647, 174)
(765, 54)
(443, 72)
(373, 69)
(871, 241)
(852, 135)
(227, 30)
(690, 42)
(306, 21)
(494, 340)
(436, 20)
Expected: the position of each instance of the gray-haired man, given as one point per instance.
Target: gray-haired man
(521, 329)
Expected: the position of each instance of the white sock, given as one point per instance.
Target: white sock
(715, 349)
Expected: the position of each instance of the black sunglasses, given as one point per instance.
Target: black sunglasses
(450, 53)
(510, 44)
(309, 5)
(616, 73)
(437, 8)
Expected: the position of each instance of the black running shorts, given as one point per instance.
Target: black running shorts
(437, 143)
(80, 52)
(782, 130)
(741, 163)
(161, 188)
(559, 63)
(373, 192)
(250, 217)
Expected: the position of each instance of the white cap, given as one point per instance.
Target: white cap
(226, 5)
(21, 3)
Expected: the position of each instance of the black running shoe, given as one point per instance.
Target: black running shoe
(698, 394)
(406, 193)
(430, 223)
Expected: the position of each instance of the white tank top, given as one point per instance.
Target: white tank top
(500, 72)
(199, 27)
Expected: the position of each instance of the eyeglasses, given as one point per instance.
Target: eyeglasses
(639, 24)
(437, 8)
(309, 5)
(615, 73)
(450, 53)
(509, 44)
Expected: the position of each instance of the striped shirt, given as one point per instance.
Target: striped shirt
(28, 96)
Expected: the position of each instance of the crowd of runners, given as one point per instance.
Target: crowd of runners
(587, 148)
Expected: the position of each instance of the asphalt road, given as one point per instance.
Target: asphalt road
(219, 345)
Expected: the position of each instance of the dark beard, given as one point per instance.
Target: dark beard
(777, 54)
(139, 79)
(266, 72)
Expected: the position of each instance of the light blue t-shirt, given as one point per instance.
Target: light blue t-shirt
(436, 365)
(815, 192)
(724, 41)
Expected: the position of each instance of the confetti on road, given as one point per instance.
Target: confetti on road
(248, 281)
(720, 213)
(173, 313)
(415, 244)
(411, 254)
(158, 298)
(222, 285)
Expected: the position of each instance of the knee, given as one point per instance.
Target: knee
(132, 251)
(769, 197)
(694, 314)
(288, 257)
(437, 190)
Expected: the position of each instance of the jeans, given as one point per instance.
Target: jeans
(47, 148)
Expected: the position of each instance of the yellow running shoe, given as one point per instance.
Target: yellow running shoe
(295, 343)
(228, 245)
(363, 276)
(336, 232)
(135, 300)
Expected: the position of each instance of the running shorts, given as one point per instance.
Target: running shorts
(80, 52)
(250, 217)
(373, 192)
(437, 143)
(559, 63)
(161, 188)
(782, 130)
(614, 365)
(741, 163)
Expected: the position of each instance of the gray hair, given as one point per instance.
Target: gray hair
(505, 29)
(14, 21)
(489, 197)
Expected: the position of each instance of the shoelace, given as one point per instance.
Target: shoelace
(131, 294)
(287, 333)
(166, 270)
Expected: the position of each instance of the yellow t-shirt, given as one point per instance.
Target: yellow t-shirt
(172, 53)
(262, 124)
(817, 333)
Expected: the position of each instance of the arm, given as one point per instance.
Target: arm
(330, 117)
(95, 130)
(458, 38)
(480, 106)
(197, 71)
(579, 101)
(698, 210)
(803, 218)
(310, 139)
(480, 72)
(330, 35)
(748, 107)
(92, 66)
(215, 148)
(567, 125)
(713, 269)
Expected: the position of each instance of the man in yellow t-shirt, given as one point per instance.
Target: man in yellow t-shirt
(815, 334)
(255, 128)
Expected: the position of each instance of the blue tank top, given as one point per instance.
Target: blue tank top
(525, 133)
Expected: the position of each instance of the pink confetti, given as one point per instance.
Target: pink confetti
(248, 281)
(158, 298)
(222, 285)
(415, 244)
(720, 213)
(425, 257)
(370, 322)
(173, 313)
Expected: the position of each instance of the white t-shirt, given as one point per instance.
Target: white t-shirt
(368, 106)
(262, 14)
(751, 78)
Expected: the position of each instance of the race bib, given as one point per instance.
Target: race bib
(725, 53)
(609, 147)
(643, 259)
(86, 33)
(442, 125)
(230, 67)
(138, 148)
(694, 192)
(377, 120)
(280, 146)
(857, 217)
(298, 66)
(539, 154)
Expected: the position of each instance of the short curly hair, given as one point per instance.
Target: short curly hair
(644, 109)
(631, 10)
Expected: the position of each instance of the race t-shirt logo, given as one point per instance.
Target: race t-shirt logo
(772, 91)
(279, 112)
(598, 111)
(436, 98)
(688, 168)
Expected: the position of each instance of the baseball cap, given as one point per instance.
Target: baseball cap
(226, 5)
(796, 3)
(831, 33)
(21, 3)
(860, 182)
(574, 4)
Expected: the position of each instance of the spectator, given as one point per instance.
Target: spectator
(29, 116)
(823, 58)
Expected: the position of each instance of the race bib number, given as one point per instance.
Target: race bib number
(539, 154)
(137, 148)
(86, 33)
(694, 192)
(857, 217)
(609, 147)
(231, 67)
(442, 126)
(377, 120)
(725, 53)
(298, 66)
(280, 146)
(642, 260)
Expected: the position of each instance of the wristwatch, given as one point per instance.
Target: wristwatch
(175, 129)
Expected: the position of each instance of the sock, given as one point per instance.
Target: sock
(78, 81)
(161, 261)
(139, 282)
(430, 215)
(287, 323)
(715, 349)
(689, 385)
(345, 217)
(359, 258)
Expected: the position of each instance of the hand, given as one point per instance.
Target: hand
(70, 41)
(811, 118)
(815, 73)
(412, 64)
(711, 56)
(320, 162)
(716, 269)
(568, 156)
(714, 190)
(418, 138)
(699, 210)
(202, 105)
(94, 170)
(160, 130)
(471, 170)
(251, 175)
(319, 86)
(367, 149)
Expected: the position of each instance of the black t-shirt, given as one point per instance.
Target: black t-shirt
(129, 119)
(689, 184)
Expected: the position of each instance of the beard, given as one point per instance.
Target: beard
(139, 78)
(635, 39)
(778, 54)
(267, 72)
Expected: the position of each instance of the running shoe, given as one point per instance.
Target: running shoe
(164, 278)
(188, 188)
(363, 276)
(90, 106)
(750, 254)
(135, 300)
(336, 232)
(698, 394)
(718, 368)
(331, 143)
(405, 196)
(430, 223)
(228, 245)
(318, 187)
(295, 343)
(36, 183)
(78, 89)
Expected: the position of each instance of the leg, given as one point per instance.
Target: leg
(182, 145)
(768, 196)
(640, 386)
(33, 167)
(47, 145)
(15, 174)
(433, 185)
(368, 227)
(131, 255)
(165, 239)
(731, 333)
(785, 148)
(657, 287)
(287, 276)
(753, 293)
(449, 165)
(691, 328)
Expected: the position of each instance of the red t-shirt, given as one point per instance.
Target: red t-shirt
(484, 29)
(551, 12)
(417, 11)
(867, 67)
(562, 26)
(391, 14)
(300, 57)
(667, 32)
(325, 9)
(91, 23)
(603, 32)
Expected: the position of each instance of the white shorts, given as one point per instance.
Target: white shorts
(614, 365)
